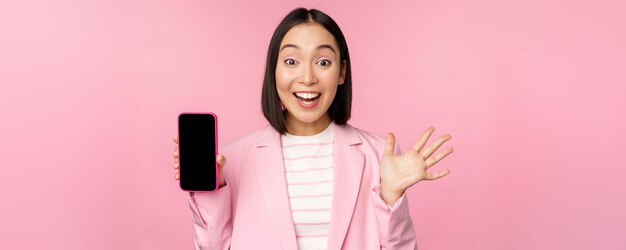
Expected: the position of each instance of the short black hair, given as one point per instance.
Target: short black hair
(339, 110)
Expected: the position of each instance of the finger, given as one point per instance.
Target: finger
(175, 154)
(177, 176)
(436, 158)
(437, 175)
(176, 166)
(389, 146)
(221, 160)
(422, 140)
(175, 138)
(433, 147)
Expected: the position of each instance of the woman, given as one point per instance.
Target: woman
(310, 180)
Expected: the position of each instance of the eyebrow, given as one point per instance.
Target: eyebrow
(318, 47)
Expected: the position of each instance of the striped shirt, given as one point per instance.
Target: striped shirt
(309, 171)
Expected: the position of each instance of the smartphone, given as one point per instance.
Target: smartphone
(197, 148)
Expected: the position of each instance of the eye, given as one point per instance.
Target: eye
(290, 61)
(324, 62)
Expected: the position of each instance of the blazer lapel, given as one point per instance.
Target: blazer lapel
(348, 166)
(270, 172)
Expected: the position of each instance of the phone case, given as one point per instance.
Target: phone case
(217, 168)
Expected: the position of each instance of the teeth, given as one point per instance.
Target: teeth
(307, 95)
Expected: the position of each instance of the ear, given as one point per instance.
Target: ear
(342, 74)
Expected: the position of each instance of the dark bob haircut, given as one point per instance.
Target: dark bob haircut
(339, 110)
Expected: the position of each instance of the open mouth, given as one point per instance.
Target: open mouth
(307, 96)
(307, 99)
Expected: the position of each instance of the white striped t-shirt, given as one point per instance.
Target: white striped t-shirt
(309, 171)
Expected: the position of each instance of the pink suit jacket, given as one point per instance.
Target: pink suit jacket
(252, 211)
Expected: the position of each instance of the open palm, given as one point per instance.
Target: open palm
(399, 172)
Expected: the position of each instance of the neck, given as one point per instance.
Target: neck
(296, 127)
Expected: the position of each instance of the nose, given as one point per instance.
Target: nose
(307, 75)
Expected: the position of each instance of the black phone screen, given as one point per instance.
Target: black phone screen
(197, 147)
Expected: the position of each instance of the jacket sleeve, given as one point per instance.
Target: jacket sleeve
(213, 211)
(212, 216)
(395, 227)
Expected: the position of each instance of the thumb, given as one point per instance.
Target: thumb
(389, 145)
(221, 160)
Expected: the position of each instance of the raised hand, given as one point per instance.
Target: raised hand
(398, 173)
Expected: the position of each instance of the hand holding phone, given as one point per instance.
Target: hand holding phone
(196, 153)
(221, 161)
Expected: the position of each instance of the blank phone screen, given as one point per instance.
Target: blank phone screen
(197, 149)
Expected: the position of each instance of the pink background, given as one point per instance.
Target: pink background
(533, 93)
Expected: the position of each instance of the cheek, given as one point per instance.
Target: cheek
(282, 85)
(330, 78)
(331, 74)
(282, 79)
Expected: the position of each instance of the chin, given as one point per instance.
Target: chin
(307, 119)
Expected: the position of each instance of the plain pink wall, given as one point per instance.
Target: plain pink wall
(533, 93)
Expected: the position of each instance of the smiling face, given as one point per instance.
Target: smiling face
(308, 72)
